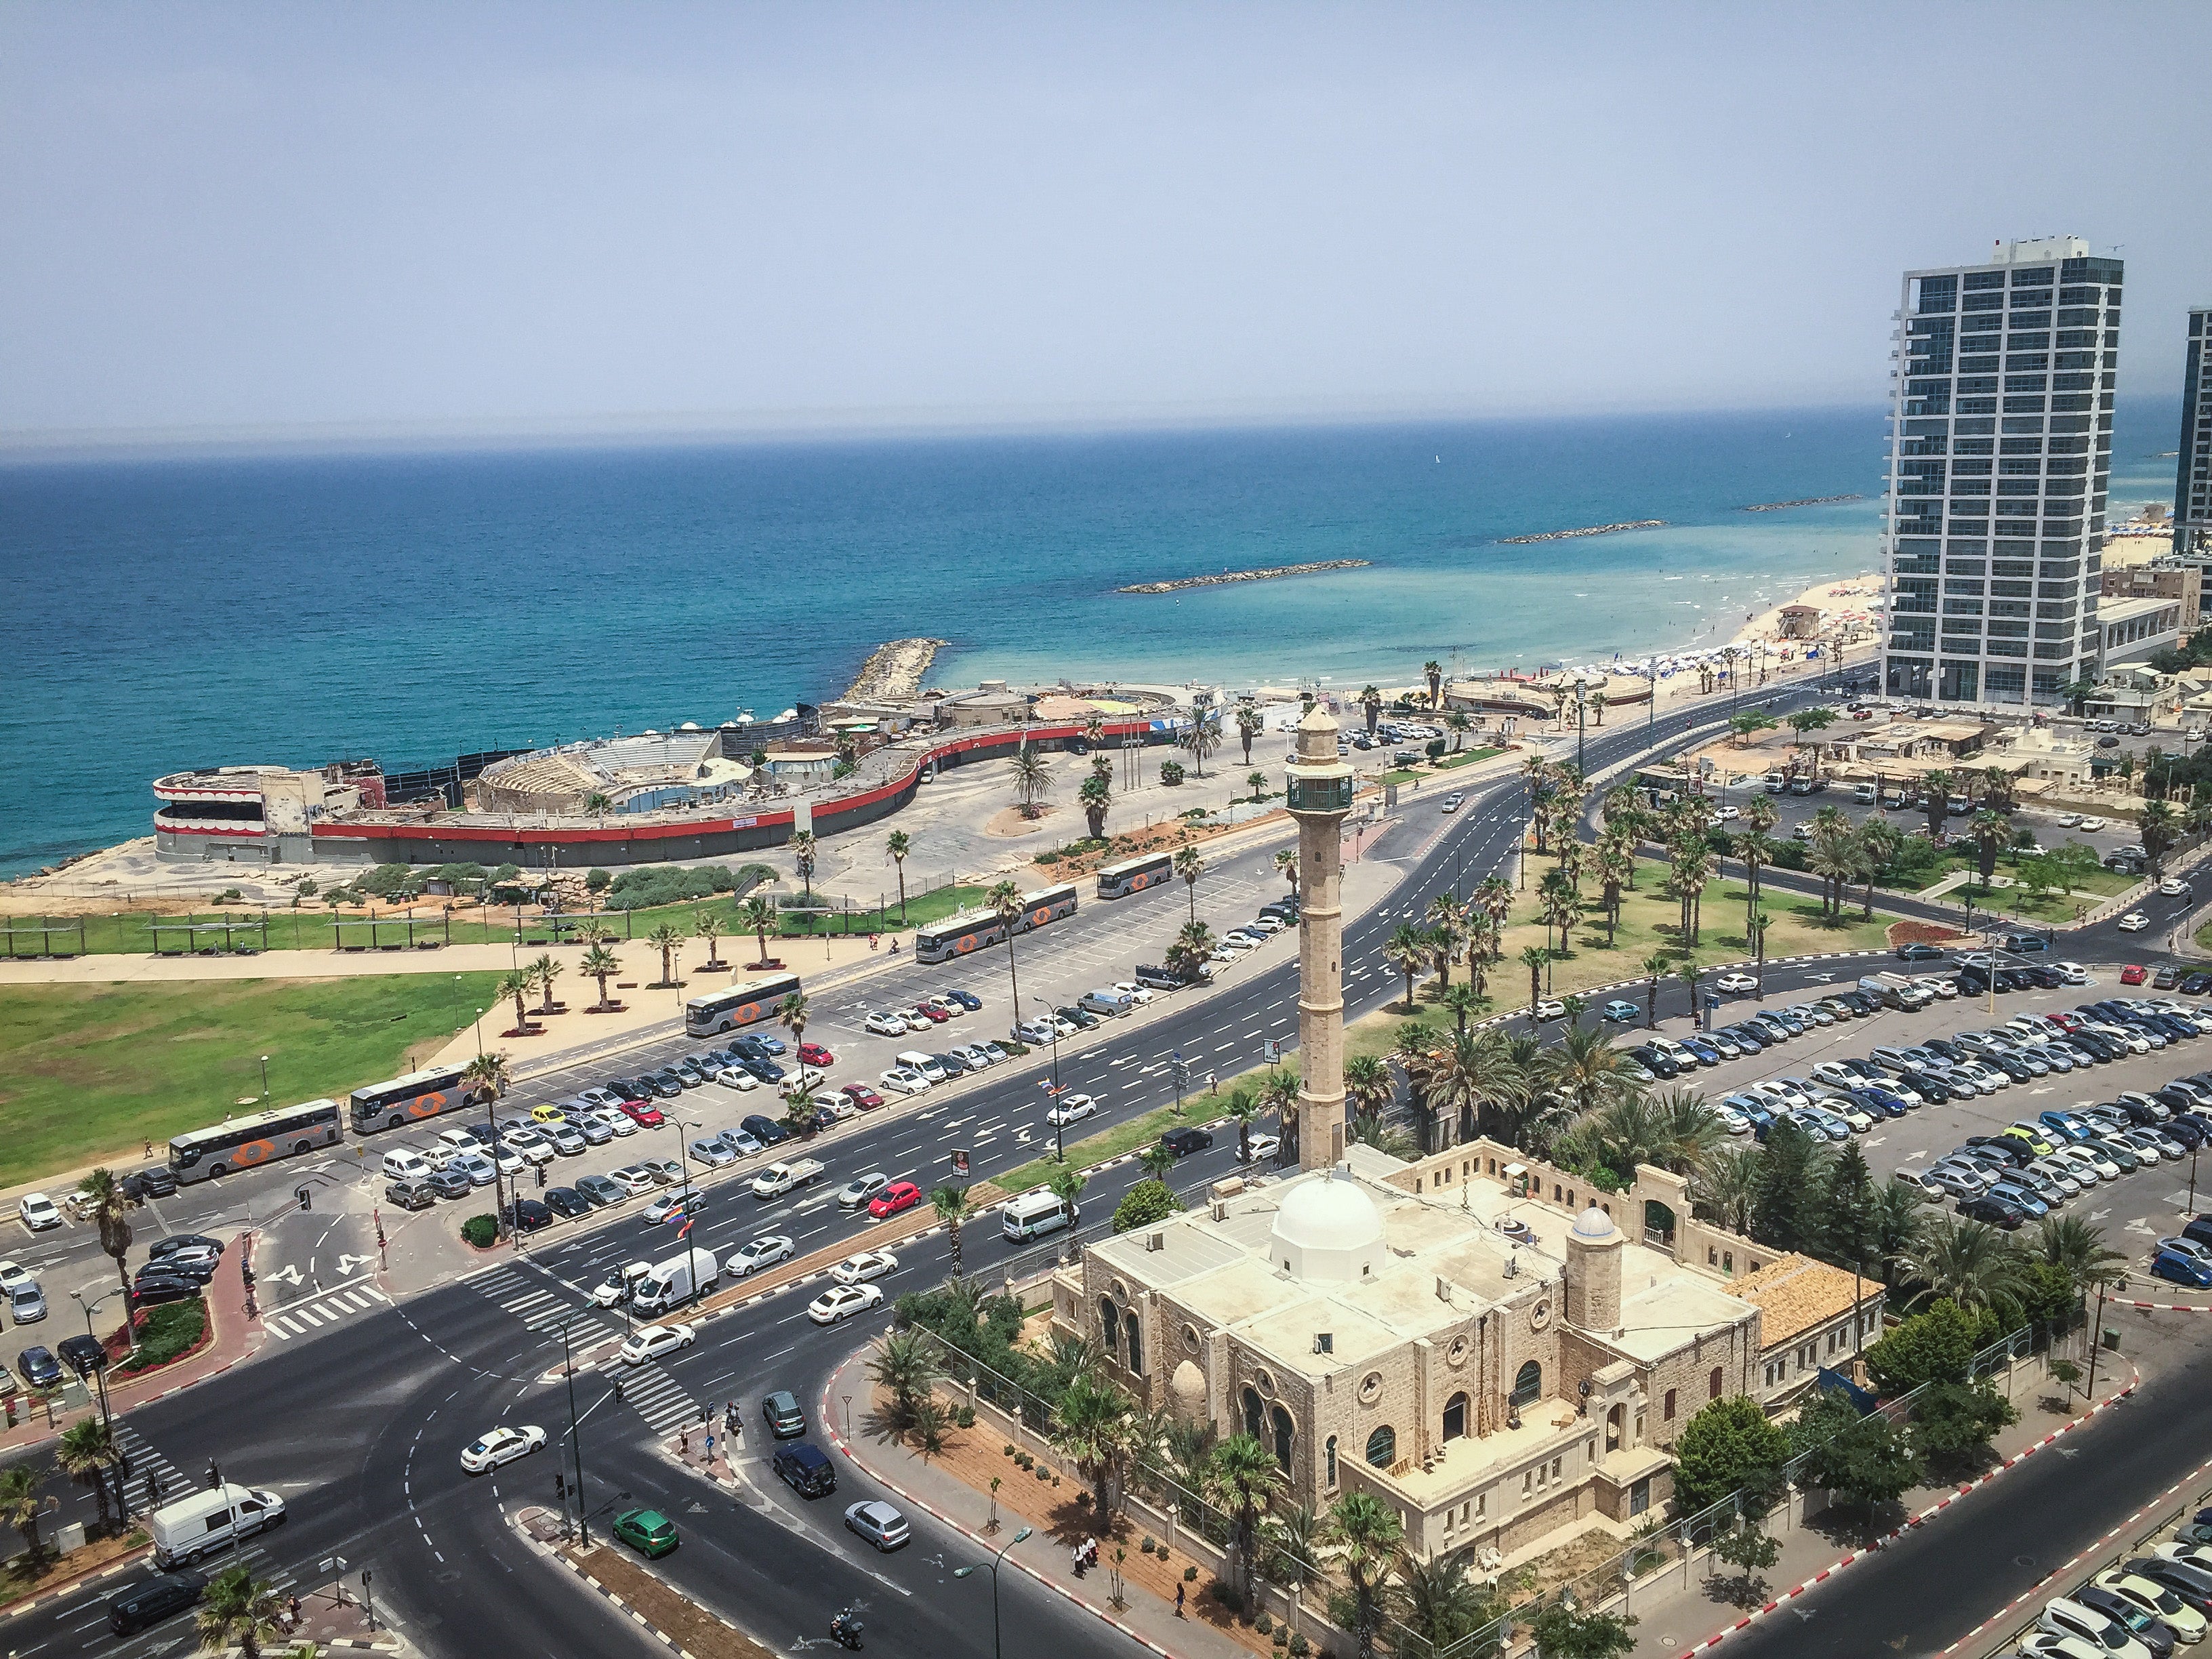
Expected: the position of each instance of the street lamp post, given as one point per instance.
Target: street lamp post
(1058, 1130)
(264, 1077)
(100, 1377)
(991, 1567)
(575, 1430)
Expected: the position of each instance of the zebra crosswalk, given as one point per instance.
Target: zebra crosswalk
(153, 1478)
(656, 1396)
(532, 1298)
(298, 1318)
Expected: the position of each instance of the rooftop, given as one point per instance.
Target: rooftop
(1796, 1294)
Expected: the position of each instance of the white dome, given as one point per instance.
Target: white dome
(1327, 1229)
(1593, 1224)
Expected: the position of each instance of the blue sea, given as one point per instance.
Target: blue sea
(294, 608)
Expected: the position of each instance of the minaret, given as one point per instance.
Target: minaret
(1320, 794)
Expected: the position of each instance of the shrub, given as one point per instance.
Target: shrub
(1171, 773)
(1008, 1451)
(1024, 1460)
(481, 1231)
(1263, 1624)
(1146, 1547)
(1189, 1574)
(965, 1416)
(231, 895)
(1149, 1200)
(1298, 1644)
(166, 1332)
(597, 881)
(1082, 1498)
(663, 883)
(1282, 1635)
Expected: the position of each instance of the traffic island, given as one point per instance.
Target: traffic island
(665, 1612)
(21, 1587)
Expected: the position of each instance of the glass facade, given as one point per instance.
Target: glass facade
(2193, 482)
(2000, 454)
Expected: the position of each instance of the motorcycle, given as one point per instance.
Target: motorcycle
(846, 1627)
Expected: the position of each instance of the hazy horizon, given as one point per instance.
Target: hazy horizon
(260, 224)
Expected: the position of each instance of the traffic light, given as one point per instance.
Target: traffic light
(561, 1486)
(541, 1177)
(215, 1474)
(305, 1197)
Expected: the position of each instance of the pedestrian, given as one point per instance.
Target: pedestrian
(1213, 1083)
(684, 1448)
(295, 1609)
(149, 1149)
(1178, 1598)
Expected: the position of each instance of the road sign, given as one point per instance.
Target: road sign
(1273, 1049)
(959, 1161)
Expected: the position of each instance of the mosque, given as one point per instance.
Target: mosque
(1496, 1354)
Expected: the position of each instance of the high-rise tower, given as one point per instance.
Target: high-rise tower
(2193, 482)
(1318, 795)
(2000, 445)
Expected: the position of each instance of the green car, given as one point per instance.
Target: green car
(648, 1532)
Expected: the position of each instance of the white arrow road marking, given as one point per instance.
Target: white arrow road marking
(2099, 1215)
(287, 1275)
(347, 1263)
(2142, 1224)
(1909, 1156)
(1876, 1140)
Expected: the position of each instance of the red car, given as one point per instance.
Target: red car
(644, 1114)
(899, 1195)
(2132, 974)
(813, 1053)
(862, 1096)
(935, 1016)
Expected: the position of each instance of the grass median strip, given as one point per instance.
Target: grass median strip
(1128, 1137)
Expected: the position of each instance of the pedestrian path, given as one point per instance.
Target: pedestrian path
(656, 1396)
(298, 1318)
(532, 1297)
(153, 1478)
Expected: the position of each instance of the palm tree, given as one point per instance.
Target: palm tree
(757, 916)
(1878, 844)
(907, 1363)
(1439, 1606)
(1067, 1185)
(1407, 950)
(1201, 737)
(86, 1454)
(1687, 971)
(1446, 928)
(804, 852)
(1461, 1002)
(1032, 780)
(1536, 959)
(601, 965)
(1935, 800)
(1755, 850)
(517, 986)
(1726, 1186)
(953, 1208)
(1191, 867)
(1655, 965)
(1095, 795)
(1241, 1476)
(1158, 1161)
(2078, 1250)
(667, 940)
(898, 844)
(600, 806)
(1094, 1427)
(1244, 1107)
(1188, 955)
(110, 1207)
(1459, 725)
(1371, 703)
(1974, 1265)
(238, 1611)
(1808, 723)
(1005, 901)
(1433, 673)
(1363, 1533)
(1290, 1547)
(1248, 726)
(1286, 861)
(1475, 1078)
(1614, 866)
(708, 926)
(545, 970)
(1992, 833)
(20, 1506)
(486, 1076)
(2157, 825)
(1584, 1069)
(1279, 1094)
(1834, 857)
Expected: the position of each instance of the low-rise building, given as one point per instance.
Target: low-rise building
(2135, 630)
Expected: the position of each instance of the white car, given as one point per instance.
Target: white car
(913, 1060)
(1736, 984)
(1727, 814)
(1264, 924)
(2091, 824)
(1836, 1075)
(974, 1055)
(651, 1342)
(763, 1252)
(2043, 1644)
(2067, 820)
(1731, 1119)
(885, 1025)
(1266, 1147)
(904, 1080)
(1072, 1108)
(2134, 922)
(38, 1212)
(1943, 990)
(869, 1264)
(1548, 1010)
(855, 1193)
(736, 1077)
(503, 1446)
(459, 1140)
(843, 1302)
(1139, 994)
(2063, 1617)
(615, 1289)
(2172, 887)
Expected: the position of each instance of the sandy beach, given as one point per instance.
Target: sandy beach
(1845, 604)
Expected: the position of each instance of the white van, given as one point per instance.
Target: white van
(1112, 1003)
(209, 1521)
(914, 1060)
(404, 1165)
(1033, 1214)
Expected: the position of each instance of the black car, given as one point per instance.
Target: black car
(567, 1201)
(781, 1410)
(805, 1469)
(1652, 1060)
(1929, 1087)
(149, 1288)
(630, 1088)
(600, 1190)
(766, 1070)
(1183, 1142)
(2154, 1633)
(2023, 944)
(748, 1048)
(175, 1242)
(410, 1194)
(448, 1183)
(83, 1354)
(2011, 1068)
(665, 1085)
(39, 1367)
(155, 1180)
(198, 1265)
(765, 1130)
(2196, 985)
(1082, 1019)
(1918, 952)
(1858, 1002)
(526, 1215)
(1994, 1211)
(952, 1065)
(148, 1602)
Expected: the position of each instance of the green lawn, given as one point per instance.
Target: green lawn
(93, 1070)
(1428, 770)
(1200, 1107)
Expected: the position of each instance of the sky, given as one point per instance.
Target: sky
(302, 219)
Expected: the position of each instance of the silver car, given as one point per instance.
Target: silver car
(26, 1303)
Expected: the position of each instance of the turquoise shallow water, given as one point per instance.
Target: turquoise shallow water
(296, 608)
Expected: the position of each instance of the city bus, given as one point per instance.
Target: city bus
(408, 1099)
(972, 929)
(246, 1143)
(745, 1003)
(1134, 875)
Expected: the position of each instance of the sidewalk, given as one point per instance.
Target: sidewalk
(1146, 1611)
(234, 1337)
(1675, 1617)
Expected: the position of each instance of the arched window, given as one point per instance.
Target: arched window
(1528, 1384)
(1328, 1461)
(1713, 1384)
(1136, 1334)
(1383, 1447)
(1456, 1417)
(1282, 1426)
(1109, 1325)
(1254, 1415)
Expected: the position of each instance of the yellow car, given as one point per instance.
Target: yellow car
(2035, 1142)
(548, 1115)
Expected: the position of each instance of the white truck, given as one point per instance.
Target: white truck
(1896, 991)
(205, 1522)
(778, 1179)
(676, 1281)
